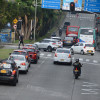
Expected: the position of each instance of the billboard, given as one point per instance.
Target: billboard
(66, 5)
(92, 5)
(51, 4)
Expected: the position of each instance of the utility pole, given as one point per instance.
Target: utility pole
(35, 19)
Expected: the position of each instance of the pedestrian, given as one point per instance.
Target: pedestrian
(21, 36)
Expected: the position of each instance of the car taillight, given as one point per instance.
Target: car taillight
(93, 41)
(23, 64)
(77, 40)
(13, 72)
(55, 54)
(35, 54)
(53, 43)
(69, 56)
(64, 40)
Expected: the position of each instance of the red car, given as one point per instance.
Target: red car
(32, 54)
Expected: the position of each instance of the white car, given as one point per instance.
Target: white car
(83, 48)
(63, 55)
(47, 44)
(21, 61)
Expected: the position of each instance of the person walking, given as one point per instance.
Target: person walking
(21, 36)
(60, 32)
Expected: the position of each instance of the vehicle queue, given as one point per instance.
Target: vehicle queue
(21, 59)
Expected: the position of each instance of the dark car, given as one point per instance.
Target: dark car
(9, 72)
(53, 34)
(69, 41)
(66, 24)
(32, 53)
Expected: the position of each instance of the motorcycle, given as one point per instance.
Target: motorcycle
(76, 73)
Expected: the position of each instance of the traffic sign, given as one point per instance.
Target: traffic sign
(51, 4)
(92, 5)
(15, 21)
(15, 27)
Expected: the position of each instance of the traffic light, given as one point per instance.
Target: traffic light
(19, 25)
(72, 6)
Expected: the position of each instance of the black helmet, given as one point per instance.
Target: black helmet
(77, 60)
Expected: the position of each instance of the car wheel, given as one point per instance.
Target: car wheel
(35, 61)
(14, 82)
(49, 49)
(82, 52)
(70, 63)
(54, 62)
(38, 57)
(72, 51)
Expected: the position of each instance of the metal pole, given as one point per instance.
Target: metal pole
(35, 19)
(31, 29)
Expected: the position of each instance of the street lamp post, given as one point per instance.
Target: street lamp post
(35, 19)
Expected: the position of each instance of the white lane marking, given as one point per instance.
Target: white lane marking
(87, 60)
(81, 59)
(95, 61)
(41, 54)
(90, 91)
(49, 55)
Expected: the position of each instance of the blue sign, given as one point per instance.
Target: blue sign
(66, 5)
(51, 4)
(92, 5)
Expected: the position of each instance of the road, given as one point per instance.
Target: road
(46, 81)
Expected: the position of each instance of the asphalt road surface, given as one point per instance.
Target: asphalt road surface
(46, 81)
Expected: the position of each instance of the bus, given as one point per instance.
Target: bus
(87, 35)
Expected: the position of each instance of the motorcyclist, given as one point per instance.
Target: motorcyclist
(77, 65)
(60, 31)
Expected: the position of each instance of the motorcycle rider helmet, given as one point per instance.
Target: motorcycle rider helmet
(77, 60)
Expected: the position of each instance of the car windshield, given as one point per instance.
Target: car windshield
(73, 29)
(5, 65)
(63, 51)
(86, 31)
(89, 45)
(21, 58)
(68, 38)
(18, 52)
(29, 50)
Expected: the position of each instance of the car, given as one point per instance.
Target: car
(53, 34)
(83, 48)
(22, 52)
(9, 72)
(68, 41)
(32, 53)
(20, 61)
(57, 38)
(66, 24)
(36, 48)
(47, 44)
(63, 55)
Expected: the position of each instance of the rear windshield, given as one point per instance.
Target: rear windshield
(17, 58)
(6, 66)
(68, 38)
(29, 50)
(63, 51)
(18, 52)
(73, 29)
(86, 31)
(89, 45)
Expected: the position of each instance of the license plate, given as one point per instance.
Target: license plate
(89, 51)
(68, 41)
(3, 71)
(61, 59)
(76, 70)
